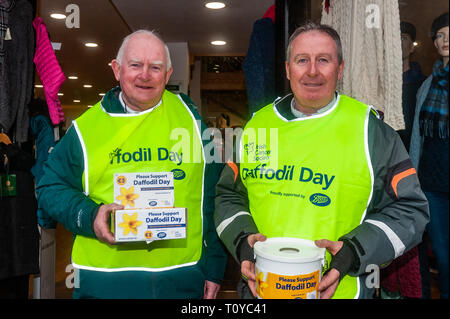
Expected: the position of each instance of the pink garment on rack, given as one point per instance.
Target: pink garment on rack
(270, 13)
(49, 71)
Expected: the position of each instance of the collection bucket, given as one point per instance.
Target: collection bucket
(288, 268)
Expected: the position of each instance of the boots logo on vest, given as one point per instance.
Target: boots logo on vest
(117, 156)
(319, 199)
(178, 174)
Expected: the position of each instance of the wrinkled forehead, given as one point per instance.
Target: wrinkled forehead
(317, 35)
(314, 41)
(145, 47)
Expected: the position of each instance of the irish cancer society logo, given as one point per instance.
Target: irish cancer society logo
(319, 199)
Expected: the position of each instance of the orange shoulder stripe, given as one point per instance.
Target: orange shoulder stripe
(397, 178)
(235, 169)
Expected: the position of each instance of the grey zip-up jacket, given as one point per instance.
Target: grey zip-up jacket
(396, 214)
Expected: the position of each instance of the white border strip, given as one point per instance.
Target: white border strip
(86, 166)
(396, 242)
(228, 221)
(369, 164)
(307, 117)
(369, 161)
(133, 268)
(130, 114)
(194, 122)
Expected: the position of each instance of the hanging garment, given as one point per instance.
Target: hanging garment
(5, 7)
(5, 110)
(49, 70)
(370, 35)
(19, 236)
(403, 275)
(270, 13)
(17, 71)
(259, 65)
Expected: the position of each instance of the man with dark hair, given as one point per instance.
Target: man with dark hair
(351, 186)
(412, 79)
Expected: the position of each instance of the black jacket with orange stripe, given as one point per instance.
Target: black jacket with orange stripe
(396, 215)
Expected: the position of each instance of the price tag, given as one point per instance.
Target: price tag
(8, 185)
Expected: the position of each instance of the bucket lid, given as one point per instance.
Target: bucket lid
(290, 250)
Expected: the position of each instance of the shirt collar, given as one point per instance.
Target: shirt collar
(299, 114)
(130, 111)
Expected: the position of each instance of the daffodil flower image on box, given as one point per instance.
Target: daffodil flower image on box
(130, 223)
(261, 284)
(127, 196)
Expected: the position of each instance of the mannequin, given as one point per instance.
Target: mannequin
(429, 149)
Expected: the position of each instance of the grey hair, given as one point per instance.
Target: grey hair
(311, 26)
(121, 51)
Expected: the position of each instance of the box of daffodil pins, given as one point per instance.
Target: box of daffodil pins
(149, 213)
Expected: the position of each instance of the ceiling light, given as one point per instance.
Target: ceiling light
(56, 46)
(39, 86)
(87, 86)
(91, 44)
(72, 77)
(89, 106)
(101, 94)
(58, 16)
(60, 94)
(76, 101)
(415, 44)
(215, 5)
(109, 63)
(218, 42)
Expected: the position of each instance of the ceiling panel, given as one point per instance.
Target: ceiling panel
(107, 22)
(190, 21)
(99, 23)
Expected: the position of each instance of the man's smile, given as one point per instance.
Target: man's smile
(143, 87)
(312, 84)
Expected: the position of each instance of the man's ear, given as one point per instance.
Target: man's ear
(341, 70)
(288, 76)
(116, 69)
(168, 74)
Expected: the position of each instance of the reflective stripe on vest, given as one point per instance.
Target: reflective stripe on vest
(311, 177)
(162, 139)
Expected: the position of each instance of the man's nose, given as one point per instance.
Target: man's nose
(145, 74)
(312, 69)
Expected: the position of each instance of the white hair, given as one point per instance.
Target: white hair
(121, 51)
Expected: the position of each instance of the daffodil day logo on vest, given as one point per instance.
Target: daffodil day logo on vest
(295, 173)
(288, 173)
(145, 154)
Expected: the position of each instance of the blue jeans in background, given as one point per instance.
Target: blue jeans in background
(437, 231)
